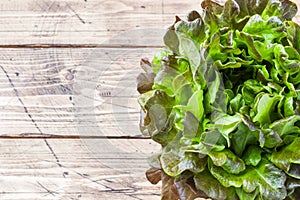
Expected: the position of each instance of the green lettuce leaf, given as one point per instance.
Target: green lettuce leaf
(242, 137)
(212, 187)
(286, 126)
(227, 124)
(252, 155)
(266, 178)
(264, 108)
(228, 161)
(288, 158)
(174, 161)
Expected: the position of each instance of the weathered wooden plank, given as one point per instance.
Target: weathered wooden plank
(98, 33)
(89, 22)
(110, 169)
(92, 22)
(70, 91)
(96, 6)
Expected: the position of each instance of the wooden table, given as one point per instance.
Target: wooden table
(69, 117)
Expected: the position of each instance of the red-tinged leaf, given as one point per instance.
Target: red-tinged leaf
(186, 187)
(212, 6)
(145, 82)
(169, 189)
(146, 65)
(153, 175)
(193, 15)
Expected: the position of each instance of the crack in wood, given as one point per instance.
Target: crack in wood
(135, 197)
(29, 115)
(76, 14)
(48, 191)
(128, 190)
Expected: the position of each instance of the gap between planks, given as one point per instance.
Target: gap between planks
(51, 136)
(75, 46)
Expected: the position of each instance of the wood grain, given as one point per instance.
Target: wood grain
(29, 171)
(70, 91)
(89, 22)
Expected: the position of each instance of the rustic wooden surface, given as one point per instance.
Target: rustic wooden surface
(69, 117)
